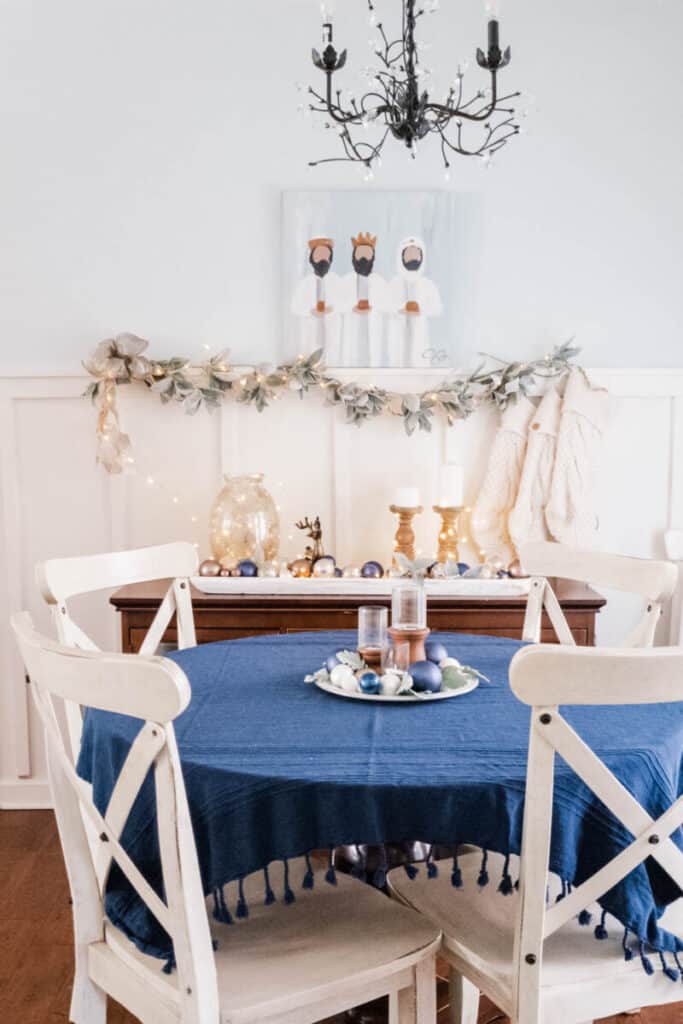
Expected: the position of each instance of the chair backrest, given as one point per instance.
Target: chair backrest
(60, 579)
(654, 581)
(544, 677)
(155, 691)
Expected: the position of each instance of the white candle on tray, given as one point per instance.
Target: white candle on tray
(451, 487)
(406, 497)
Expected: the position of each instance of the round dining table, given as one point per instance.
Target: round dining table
(276, 769)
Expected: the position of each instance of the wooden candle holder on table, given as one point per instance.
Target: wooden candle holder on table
(415, 637)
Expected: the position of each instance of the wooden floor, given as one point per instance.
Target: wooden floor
(35, 936)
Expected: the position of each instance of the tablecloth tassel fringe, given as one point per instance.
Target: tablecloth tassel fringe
(358, 869)
(600, 930)
(170, 965)
(628, 952)
(289, 894)
(432, 867)
(309, 877)
(242, 905)
(678, 965)
(671, 972)
(483, 870)
(645, 961)
(411, 870)
(585, 918)
(270, 895)
(506, 887)
(379, 879)
(220, 907)
(456, 873)
(331, 874)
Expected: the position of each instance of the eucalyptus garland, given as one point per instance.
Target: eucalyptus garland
(122, 360)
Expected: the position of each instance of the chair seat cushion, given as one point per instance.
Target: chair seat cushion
(291, 953)
(478, 926)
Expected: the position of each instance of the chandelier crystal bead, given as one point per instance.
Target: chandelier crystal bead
(398, 101)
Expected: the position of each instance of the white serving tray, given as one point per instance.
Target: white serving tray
(354, 587)
(380, 698)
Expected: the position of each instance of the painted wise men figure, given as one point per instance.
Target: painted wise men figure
(414, 299)
(316, 299)
(365, 302)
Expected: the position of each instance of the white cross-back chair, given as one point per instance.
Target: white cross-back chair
(654, 581)
(530, 956)
(60, 579)
(333, 948)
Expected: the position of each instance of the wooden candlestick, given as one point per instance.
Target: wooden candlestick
(415, 637)
(404, 540)
(448, 534)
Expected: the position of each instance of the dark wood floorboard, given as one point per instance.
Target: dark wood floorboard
(36, 959)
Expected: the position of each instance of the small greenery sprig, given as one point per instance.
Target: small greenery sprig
(121, 360)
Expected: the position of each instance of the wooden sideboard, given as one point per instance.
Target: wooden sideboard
(226, 617)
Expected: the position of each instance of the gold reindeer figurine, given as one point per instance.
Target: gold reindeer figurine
(315, 532)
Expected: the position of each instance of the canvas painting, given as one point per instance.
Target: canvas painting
(372, 278)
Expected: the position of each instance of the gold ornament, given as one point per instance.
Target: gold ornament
(225, 573)
(300, 568)
(210, 567)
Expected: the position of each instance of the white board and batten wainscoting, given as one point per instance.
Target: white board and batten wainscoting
(56, 501)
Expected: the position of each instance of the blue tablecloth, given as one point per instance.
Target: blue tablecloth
(275, 768)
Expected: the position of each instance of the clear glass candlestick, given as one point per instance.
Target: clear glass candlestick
(408, 606)
(372, 632)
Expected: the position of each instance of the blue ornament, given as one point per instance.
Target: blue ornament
(427, 677)
(370, 682)
(435, 651)
(463, 567)
(247, 567)
(372, 571)
(338, 573)
(331, 662)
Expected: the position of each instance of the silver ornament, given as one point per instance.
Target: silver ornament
(269, 570)
(351, 571)
(486, 572)
(515, 570)
(324, 568)
(496, 563)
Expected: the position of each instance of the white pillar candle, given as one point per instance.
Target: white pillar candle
(451, 487)
(406, 497)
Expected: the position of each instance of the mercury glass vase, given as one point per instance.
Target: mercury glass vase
(244, 521)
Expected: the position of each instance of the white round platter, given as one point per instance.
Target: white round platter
(394, 698)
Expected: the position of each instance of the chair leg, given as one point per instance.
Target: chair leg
(425, 991)
(88, 1002)
(464, 999)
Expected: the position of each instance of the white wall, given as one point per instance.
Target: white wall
(145, 145)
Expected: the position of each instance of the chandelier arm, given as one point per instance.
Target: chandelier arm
(462, 112)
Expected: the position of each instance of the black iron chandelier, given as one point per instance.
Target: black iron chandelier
(399, 104)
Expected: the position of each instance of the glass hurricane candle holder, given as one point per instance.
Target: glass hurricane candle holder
(372, 633)
(244, 521)
(408, 606)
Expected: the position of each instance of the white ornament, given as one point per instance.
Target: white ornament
(269, 570)
(391, 683)
(343, 677)
(449, 663)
